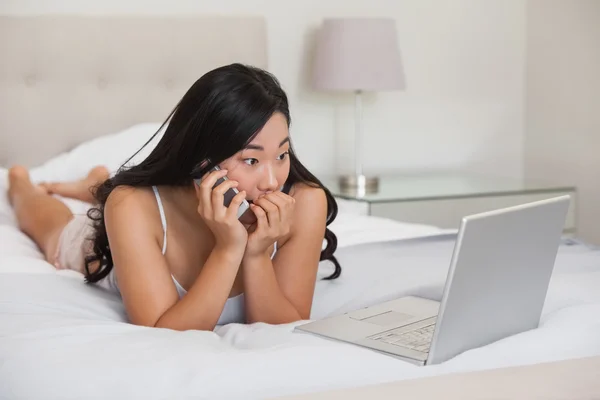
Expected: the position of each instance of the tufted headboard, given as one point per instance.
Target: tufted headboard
(67, 79)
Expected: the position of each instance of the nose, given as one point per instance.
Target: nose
(268, 181)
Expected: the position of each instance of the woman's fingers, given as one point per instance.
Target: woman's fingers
(218, 197)
(204, 190)
(285, 204)
(235, 204)
(271, 209)
(262, 223)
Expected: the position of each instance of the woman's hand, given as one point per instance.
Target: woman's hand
(274, 213)
(229, 233)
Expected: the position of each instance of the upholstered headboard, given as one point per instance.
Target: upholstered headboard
(67, 79)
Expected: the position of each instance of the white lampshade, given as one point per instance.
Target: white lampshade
(358, 54)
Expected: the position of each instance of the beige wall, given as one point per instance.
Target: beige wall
(464, 62)
(562, 126)
(489, 84)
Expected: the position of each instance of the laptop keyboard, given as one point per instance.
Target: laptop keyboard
(418, 339)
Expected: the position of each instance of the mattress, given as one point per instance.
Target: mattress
(63, 339)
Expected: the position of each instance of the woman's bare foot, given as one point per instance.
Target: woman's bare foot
(81, 189)
(19, 182)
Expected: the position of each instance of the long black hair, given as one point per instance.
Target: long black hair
(216, 118)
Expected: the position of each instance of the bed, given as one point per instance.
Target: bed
(81, 91)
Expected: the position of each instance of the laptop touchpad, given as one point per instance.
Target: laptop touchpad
(388, 318)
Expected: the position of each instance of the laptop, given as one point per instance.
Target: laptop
(496, 287)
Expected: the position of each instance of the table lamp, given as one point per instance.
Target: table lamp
(357, 55)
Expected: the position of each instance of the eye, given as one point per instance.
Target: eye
(251, 161)
(282, 156)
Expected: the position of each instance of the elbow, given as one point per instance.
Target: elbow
(180, 318)
(302, 317)
(176, 325)
(287, 318)
(295, 316)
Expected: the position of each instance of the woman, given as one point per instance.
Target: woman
(179, 257)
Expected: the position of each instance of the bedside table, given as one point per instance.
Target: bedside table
(443, 200)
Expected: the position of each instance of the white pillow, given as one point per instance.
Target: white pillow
(110, 150)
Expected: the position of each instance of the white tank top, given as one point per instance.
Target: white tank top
(233, 311)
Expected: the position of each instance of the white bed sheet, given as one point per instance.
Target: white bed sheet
(60, 338)
(56, 333)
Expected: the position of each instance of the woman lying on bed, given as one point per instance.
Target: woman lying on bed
(179, 258)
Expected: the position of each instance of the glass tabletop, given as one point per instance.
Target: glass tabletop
(442, 186)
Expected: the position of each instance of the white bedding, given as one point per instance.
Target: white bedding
(57, 333)
(60, 338)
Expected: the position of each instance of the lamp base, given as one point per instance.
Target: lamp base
(359, 184)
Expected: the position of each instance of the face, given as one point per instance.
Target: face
(263, 166)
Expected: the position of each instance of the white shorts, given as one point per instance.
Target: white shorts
(75, 243)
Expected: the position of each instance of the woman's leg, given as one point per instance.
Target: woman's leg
(81, 189)
(40, 216)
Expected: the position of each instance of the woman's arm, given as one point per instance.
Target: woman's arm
(282, 291)
(145, 281)
(204, 302)
(265, 301)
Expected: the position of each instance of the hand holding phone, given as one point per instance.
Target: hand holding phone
(220, 204)
(229, 194)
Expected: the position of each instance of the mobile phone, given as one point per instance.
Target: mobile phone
(229, 194)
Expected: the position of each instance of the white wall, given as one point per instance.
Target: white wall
(464, 63)
(562, 141)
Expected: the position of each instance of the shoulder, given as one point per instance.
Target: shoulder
(306, 195)
(133, 207)
(309, 221)
(310, 206)
(127, 197)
